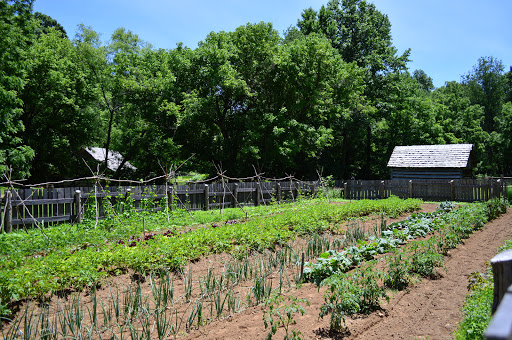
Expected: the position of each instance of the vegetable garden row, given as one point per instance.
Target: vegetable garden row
(40, 264)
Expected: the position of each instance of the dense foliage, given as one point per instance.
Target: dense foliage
(332, 93)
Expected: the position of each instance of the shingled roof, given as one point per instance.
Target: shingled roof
(431, 156)
(115, 159)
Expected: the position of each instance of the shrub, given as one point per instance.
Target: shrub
(477, 308)
(495, 207)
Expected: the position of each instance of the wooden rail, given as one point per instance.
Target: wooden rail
(500, 327)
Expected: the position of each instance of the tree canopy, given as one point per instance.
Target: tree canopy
(331, 95)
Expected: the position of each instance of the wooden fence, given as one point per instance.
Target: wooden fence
(500, 327)
(463, 190)
(28, 206)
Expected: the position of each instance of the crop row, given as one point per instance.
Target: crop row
(354, 292)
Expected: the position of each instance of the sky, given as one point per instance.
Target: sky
(446, 37)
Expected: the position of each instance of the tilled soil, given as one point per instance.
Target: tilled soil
(431, 309)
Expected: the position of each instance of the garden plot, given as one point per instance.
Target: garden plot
(143, 301)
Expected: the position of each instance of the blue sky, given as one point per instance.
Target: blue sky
(446, 37)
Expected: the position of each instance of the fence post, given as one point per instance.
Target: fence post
(410, 189)
(257, 194)
(78, 206)
(312, 189)
(297, 192)
(206, 197)
(279, 194)
(452, 190)
(8, 212)
(170, 197)
(500, 327)
(498, 188)
(381, 189)
(502, 273)
(345, 190)
(126, 197)
(235, 195)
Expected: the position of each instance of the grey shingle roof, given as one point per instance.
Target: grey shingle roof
(114, 158)
(431, 156)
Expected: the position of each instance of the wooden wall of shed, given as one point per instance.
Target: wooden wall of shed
(426, 173)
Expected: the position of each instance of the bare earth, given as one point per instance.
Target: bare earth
(431, 309)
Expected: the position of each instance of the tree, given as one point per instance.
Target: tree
(16, 33)
(144, 129)
(231, 70)
(314, 95)
(358, 31)
(45, 22)
(486, 86)
(58, 114)
(423, 79)
(361, 34)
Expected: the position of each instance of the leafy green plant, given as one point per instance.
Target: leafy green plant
(477, 307)
(495, 208)
(397, 273)
(424, 259)
(351, 293)
(281, 312)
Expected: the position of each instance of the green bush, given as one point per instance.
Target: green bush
(477, 309)
(495, 208)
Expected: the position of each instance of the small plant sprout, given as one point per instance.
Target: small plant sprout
(281, 313)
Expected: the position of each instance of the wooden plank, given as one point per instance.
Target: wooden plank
(43, 202)
(41, 219)
(500, 327)
(225, 204)
(502, 273)
(240, 190)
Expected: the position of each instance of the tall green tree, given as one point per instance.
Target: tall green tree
(486, 85)
(16, 33)
(315, 95)
(231, 70)
(361, 34)
(45, 22)
(145, 127)
(137, 97)
(58, 110)
(424, 80)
